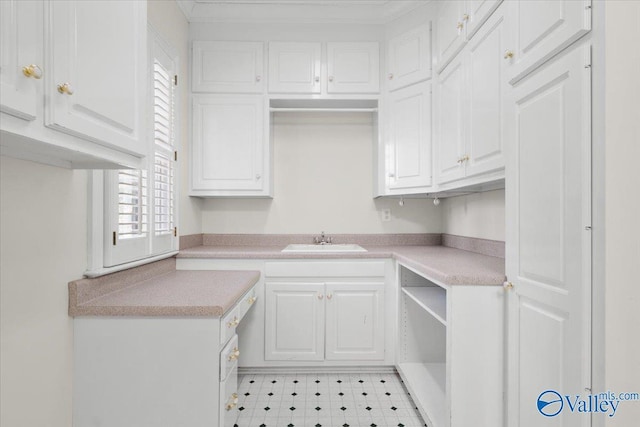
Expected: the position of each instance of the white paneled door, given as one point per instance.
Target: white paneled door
(548, 239)
(353, 67)
(355, 329)
(294, 67)
(294, 321)
(95, 81)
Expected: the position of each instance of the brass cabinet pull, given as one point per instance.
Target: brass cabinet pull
(508, 54)
(232, 402)
(507, 286)
(65, 88)
(234, 354)
(251, 300)
(32, 71)
(329, 296)
(460, 25)
(234, 322)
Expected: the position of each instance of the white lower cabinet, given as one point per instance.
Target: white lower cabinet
(157, 371)
(325, 312)
(450, 350)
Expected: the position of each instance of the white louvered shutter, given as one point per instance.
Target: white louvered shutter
(140, 207)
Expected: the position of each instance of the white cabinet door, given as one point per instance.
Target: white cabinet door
(294, 67)
(488, 92)
(540, 29)
(21, 46)
(228, 145)
(409, 149)
(227, 67)
(294, 321)
(548, 253)
(450, 31)
(355, 329)
(97, 70)
(409, 57)
(451, 119)
(477, 12)
(353, 67)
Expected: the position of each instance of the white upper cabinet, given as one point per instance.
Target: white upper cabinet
(541, 29)
(294, 67)
(473, 113)
(20, 57)
(228, 67)
(353, 67)
(456, 24)
(229, 146)
(450, 34)
(451, 119)
(96, 64)
(409, 58)
(409, 148)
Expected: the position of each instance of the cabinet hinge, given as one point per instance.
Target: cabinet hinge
(175, 231)
(175, 156)
(115, 238)
(175, 80)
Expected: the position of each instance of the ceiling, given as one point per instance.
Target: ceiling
(298, 11)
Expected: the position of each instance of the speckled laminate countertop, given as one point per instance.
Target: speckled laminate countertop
(170, 293)
(450, 266)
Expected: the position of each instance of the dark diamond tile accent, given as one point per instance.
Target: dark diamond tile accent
(263, 425)
(394, 408)
(247, 394)
(295, 381)
(241, 408)
(364, 394)
(343, 408)
(251, 382)
(293, 408)
(341, 394)
(400, 425)
(368, 408)
(269, 394)
(317, 381)
(294, 394)
(274, 381)
(382, 381)
(388, 394)
(318, 408)
(318, 425)
(266, 408)
(291, 425)
(345, 425)
(339, 381)
(373, 425)
(360, 381)
(317, 394)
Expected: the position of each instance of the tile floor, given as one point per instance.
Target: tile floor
(325, 400)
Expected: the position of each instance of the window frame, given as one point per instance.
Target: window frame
(103, 194)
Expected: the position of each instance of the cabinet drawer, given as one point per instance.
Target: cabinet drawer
(325, 269)
(229, 358)
(229, 399)
(228, 325)
(247, 302)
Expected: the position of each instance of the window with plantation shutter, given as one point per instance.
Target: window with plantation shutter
(140, 207)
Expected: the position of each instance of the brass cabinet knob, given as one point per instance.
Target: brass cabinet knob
(460, 26)
(508, 54)
(463, 159)
(65, 88)
(329, 296)
(320, 296)
(251, 300)
(465, 17)
(32, 71)
(507, 286)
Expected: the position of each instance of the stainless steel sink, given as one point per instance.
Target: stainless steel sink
(324, 248)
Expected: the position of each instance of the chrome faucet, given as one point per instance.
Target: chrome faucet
(322, 239)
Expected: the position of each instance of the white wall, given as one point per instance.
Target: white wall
(622, 206)
(323, 175)
(168, 20)
(43, 224)
(479, 215)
